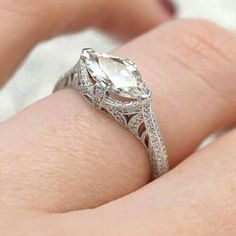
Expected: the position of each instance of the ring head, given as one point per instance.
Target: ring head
(115, 75)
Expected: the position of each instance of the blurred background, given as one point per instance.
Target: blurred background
(40, 71)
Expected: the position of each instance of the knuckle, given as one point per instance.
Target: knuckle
(204, 49)
(200, 38)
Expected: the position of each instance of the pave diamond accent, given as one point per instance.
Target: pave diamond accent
(158, 153)
(124, 107)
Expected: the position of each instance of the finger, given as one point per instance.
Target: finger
(79, 158)
(131, 19)
(196, 198)
(25, 23)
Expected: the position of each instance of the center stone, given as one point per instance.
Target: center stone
(116, 73)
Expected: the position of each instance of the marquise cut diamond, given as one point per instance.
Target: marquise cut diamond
(122, 76)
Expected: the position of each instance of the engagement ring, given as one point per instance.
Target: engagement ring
(115, 86)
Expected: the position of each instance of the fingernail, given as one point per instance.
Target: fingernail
(169, 6)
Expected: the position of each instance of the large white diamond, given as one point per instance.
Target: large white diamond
(116, 73)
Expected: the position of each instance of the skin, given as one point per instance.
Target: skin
(56, 178)
(26, 23)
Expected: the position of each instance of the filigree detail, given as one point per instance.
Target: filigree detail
(135, 122)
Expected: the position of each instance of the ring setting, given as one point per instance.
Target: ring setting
(115, 86)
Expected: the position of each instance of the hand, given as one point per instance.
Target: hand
(51, 171)
(26, 22)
